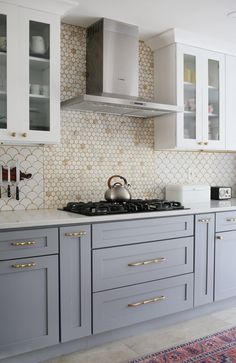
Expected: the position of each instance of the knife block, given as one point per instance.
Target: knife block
(13, 175)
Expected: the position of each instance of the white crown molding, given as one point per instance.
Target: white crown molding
(189, 38)
(60, 7)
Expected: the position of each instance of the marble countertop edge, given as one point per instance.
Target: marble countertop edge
(55, 217)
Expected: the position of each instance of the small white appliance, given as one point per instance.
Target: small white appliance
(188, 193)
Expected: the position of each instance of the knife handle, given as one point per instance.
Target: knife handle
(17, 193)
(9, 191)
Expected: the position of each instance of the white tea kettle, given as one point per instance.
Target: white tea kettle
(117, 192)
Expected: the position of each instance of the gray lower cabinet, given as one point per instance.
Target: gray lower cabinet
(29, 316)
(75, 279)
(126, 265)
(27, 243)
(125, 306)
(145, 230)
(226, 221)
(204, 258)
(225, 266)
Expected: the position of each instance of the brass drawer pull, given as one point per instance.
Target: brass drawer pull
(205, 143)
(219, 237)
(144, 302)
(75, 234)
(26, 243)
(24, 265)
(204, 220)
(148, 262)
(231, 220)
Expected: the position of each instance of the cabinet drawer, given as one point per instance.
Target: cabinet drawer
(127, 265)
(130, 305)
(145, 230)
(225, 221)
(26, 243)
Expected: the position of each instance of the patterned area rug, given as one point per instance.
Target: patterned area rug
(216, 348)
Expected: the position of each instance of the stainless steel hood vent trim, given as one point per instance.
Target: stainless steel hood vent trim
(118, 106)
(112, 74)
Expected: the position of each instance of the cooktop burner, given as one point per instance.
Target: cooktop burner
(132, 206)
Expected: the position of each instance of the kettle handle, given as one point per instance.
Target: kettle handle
(115, 176)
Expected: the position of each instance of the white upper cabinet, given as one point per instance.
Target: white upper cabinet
(29, 76)
(194, 78)
(230, 102)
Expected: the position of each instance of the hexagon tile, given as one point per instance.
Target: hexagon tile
(94, 147)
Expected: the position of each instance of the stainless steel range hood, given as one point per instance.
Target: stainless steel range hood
(112, 74)
(118, 106)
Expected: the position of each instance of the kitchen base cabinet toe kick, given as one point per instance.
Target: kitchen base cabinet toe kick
(64, 289)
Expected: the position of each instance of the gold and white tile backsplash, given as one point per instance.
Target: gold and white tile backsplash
(93, 147)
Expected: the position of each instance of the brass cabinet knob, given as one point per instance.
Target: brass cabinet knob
(205, 143)
(13, 134)
(200, 143)
(24, 134)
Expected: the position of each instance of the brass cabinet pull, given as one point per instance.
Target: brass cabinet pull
(24, 265)
(75, 234)
(231, 220)
(144, 302)
(219, 237)
(13, 134)
(148, 262)
(24, 134)
(200, 143)
(204, 220)
(26, 243)
(205, 143)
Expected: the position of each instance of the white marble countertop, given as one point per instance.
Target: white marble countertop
(53, 217)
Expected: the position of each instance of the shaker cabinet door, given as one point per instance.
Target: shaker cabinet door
(204, 259)
(75, 290)
(225, 267)
(28, 304)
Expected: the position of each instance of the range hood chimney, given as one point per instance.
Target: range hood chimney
(112, 73)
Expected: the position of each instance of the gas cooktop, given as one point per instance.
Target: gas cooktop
(132, 206)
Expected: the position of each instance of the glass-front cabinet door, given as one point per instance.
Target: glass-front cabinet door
(40, 65)
(189, 94)
(201, 89)
(8, 88)
(213, 100)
